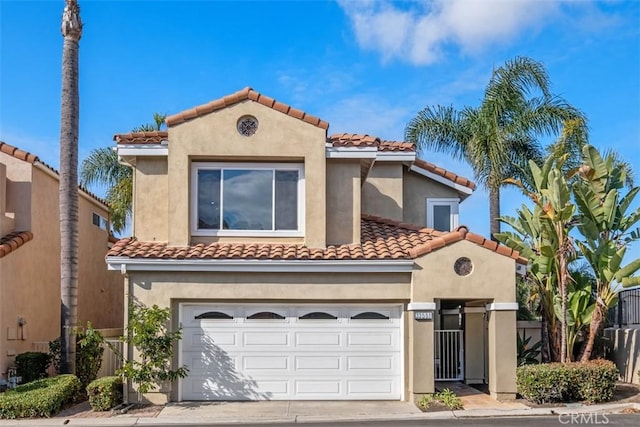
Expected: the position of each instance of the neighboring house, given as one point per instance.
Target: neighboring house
(307, 266)
(30, 258)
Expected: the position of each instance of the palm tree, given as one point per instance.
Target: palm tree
(71, 31)
(498, 137)
(103, 167)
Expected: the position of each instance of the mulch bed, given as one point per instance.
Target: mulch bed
(83, 410)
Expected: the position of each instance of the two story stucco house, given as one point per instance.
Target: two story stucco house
(302, 265)
(30, 258)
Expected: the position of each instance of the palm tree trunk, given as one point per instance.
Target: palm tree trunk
(68, 192)
(494, 211)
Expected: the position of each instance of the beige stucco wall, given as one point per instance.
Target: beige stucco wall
(30, 276)
(492, 280)
(343, 202)
(279, 138)
(18, 183)
(626, 351)
(416, 190)
(382, 193)
(150, 220)
(493, 275)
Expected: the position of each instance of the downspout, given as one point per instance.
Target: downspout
(128, 298)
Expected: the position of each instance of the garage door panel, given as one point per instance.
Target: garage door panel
(265, 338)
(381, 387)
(369, 363)
(320, 387)
(261, 362)
(292, 358)
(315, 338)
(323, 363)
(370, 338)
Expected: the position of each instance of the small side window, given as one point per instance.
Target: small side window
(318, 315)
(266, 315)
(442, 214)
(371, 315)
(217, 315)
(99, 221)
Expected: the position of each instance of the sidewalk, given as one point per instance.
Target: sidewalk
(296, 412)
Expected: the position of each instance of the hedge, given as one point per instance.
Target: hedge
(32, 365)
(592, 382)
(42, 398)
(105, 393)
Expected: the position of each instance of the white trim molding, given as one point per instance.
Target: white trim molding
(396, 156)
(454, 209)
(126, 150)
(421, 306)
(502, 306)
(441, 180)
(351, 152)
(262, 266)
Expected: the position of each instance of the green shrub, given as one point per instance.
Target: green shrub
(32, 366)
(594, 381)
(42, 398)
(105, 393)
(88, 355)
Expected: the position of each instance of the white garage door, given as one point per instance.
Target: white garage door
(268, 352)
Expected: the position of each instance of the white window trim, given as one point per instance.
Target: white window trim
(195, 166)
(454, 203)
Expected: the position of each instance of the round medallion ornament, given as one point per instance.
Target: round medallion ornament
(463, 266)
(247, 125)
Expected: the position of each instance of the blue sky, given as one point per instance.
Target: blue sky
(365, 67)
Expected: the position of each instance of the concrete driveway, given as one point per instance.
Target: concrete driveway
(288, 410)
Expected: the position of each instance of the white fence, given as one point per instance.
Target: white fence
(449, 355)
(110, 358)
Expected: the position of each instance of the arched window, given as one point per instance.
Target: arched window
(266, 315)
(371, 315)
(213, 315)
(317, 315)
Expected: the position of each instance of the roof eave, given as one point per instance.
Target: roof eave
(125, 264)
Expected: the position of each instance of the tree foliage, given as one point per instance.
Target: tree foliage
(498, 137)
(148, 333)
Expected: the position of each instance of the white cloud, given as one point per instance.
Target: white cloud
(419, 32)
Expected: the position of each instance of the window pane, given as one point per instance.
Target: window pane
(286, 200)
(209, 199)
(247, 196)
(442, 217)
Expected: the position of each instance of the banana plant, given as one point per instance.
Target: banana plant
(607, 228)
(580, 307)
(553, 216)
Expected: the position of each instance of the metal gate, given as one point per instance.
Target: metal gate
(449, 355)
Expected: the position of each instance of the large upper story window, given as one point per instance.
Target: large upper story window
(442, 214)
(237, 199)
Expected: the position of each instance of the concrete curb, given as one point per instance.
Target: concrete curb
(610, 408)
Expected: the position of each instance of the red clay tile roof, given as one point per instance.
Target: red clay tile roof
(381, 239)
(13, 241)
(245, 94)
(363, 140)
(32, 158)
(18, 153)
(155, 137)
(445, 173)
